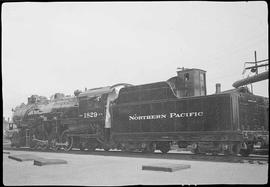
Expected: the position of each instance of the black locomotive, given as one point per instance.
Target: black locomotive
(146, 118)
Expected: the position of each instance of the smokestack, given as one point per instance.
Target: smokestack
(218, 88)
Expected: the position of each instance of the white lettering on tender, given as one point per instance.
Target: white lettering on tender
(162, 116)
(187, 114)
(159, 116)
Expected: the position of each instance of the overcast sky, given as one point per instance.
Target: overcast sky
(60, 47)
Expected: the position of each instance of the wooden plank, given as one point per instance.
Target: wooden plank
(165, 167)
(23, 157)
(43, 161)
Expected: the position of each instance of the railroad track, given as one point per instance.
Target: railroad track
(157, 155)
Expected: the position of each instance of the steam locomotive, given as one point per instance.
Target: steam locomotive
(146, 118)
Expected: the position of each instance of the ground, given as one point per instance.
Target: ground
(95, 170)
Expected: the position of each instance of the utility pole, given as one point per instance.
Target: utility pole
(254, 69)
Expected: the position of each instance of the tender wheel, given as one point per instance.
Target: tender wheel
(236, 149)
(67, 140)
(165, 150)
(182, 144)
(150, 148)
(196, 149)
(164, 147)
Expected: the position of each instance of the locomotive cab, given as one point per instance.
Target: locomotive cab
(92, 103)
(94, 110)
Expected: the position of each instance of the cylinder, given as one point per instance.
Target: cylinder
(218, 88)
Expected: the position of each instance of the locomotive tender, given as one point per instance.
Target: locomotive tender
(146, 118)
